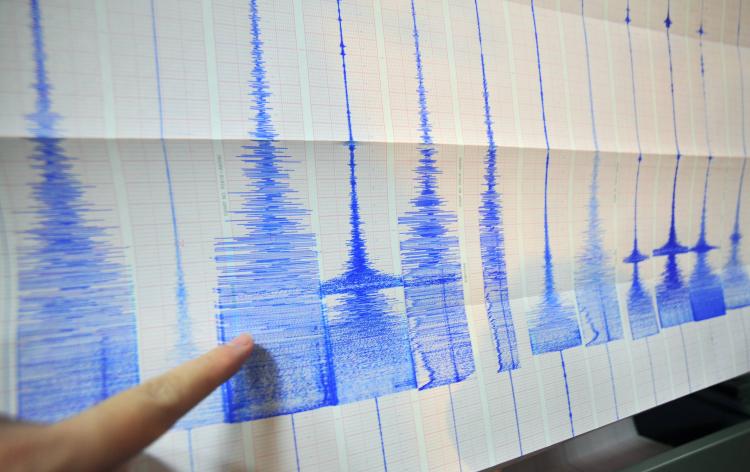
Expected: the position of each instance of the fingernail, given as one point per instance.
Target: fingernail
(242, 343)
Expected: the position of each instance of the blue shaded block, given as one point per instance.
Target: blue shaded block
(553, 327)
(268, 287)
(369, 345)
(706, 294)
(672, 296)
(641, 313)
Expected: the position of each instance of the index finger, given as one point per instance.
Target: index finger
(119, 427)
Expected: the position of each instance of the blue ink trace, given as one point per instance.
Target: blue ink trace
(492, 241)
(553, 325)
(369, 334)
(706, 294)
(492, 246)
(595, 289)
(433, 287)
(641, 313)
(734, 277)
(672, 295)
(596, 293)
(77, 341)
(269, 279)
(208, 411)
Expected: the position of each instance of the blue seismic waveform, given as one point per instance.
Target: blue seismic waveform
(268, 282)
(76, 339)
(185, 348)
(433, 285)
(553, 325)
(706, 294)
(596, 293)
(208, 411)
(734, 277)
(369, 335)
(492, 241)
(672, 294)
(641, 313)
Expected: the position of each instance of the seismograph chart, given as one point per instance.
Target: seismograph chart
(458, 232)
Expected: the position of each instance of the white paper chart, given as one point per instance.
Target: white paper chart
(459, 230)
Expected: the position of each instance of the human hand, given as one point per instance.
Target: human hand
(108, 434)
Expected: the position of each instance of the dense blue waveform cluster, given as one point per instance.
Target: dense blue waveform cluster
(268, 278)
(433, 286)
(492, 240)
(76, 322)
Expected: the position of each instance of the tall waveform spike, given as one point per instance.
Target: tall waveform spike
(433, 287)
(641, 312)
(268, 277)
(672, 294)
(553, 324)
(76, 322)
(706, 294)
(734, 277)
(595, 289)
(492, 247)
(492, 240)
(370, 344)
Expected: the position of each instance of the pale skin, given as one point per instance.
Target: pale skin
(108, 435)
